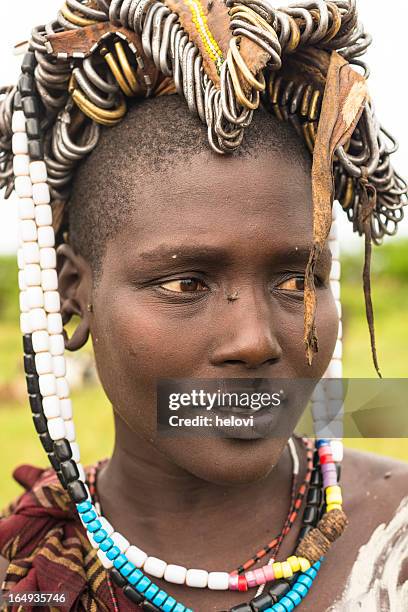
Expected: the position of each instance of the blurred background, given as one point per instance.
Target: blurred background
(18, 439)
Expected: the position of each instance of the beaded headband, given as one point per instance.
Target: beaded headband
(225, 59)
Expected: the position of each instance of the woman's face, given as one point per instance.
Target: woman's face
(209, 285)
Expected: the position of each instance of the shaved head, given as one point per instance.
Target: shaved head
(157, 136)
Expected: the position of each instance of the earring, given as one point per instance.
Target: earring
(89, 307)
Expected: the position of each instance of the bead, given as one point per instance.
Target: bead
(175, 573)
(66, 408)
(38, 172)
(286, 570)
(338, 350)
(295, 597)
(21, 165)
(306, 580)
(51, 407)
(23, 301)
(261, 602)
(28, 344)
(35, 403)
(20, 259)
(19, 144)
(29, 63)
(197, 578)
(70, 430)
(301, 589)
(279, 608)
(54, 323)
(32, 275)
(136, 556)
(40, 423)
(35, 297)
(33, 129)
(120, 561)
(38, 319)
(57, 345)
(132, 594)
(82, 475)
(93, 525)
(49, 280)
(242, 583)
(335, 289)
(279, 590)
(314, 497)
(179, 608)
(31, 252)
(106, 544)
(143, 584)
(46, 236)
(304, 564)
(169, 604)
(218, 581)
(35, 150)
(17, 101)
(43, 215)
(251, 580)
(48, 385)
(135, 576)
(21, 281)
(48, 257)
(62, 450)
(335, 369)
(59, 368)
(54, 461)
(277, 569)
(151, 591)
(41, 193)
(46, 442)
(113, 553)
(331, 507)
(268, 573)
(32, 384)
(56, 428)
(62, 388)
(333, 495)
(241, 608)
(70, 472)
(26, 210)
(26, 85)
(155, 567)
(160, 598)
(18, 122)
(121, 542)
(287, 603)
(40, 341)
(52, 302)
(30, 106)
(335, 249)
(335, 272)
(147, 606)
(28, 230)
(25, 323)
(233, 582)
(43, 363)
(294, 563)
(23, 187)
(77, 491)
(310, 515)
(84, 507)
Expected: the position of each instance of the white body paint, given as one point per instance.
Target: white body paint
(373, 585)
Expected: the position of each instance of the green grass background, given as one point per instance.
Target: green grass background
(18, 440)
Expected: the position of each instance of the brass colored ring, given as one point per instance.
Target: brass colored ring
(304, 109)
(241, 98)
(294, 36)
(110, 60)
(74, 18)
(246, 13)
(245, 71)
(105, 117)
(308, 137)
(126, 67)
(276, 89)
(314, 103)
(348, 198)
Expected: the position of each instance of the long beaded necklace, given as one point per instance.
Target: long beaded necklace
(43, 342)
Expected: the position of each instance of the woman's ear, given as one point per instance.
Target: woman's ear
(75, 289)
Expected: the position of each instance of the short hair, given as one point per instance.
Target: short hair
(155, 135)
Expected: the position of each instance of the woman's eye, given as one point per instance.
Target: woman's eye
(185, 285)
(296, 283)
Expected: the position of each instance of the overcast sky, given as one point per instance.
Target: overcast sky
(386, 21)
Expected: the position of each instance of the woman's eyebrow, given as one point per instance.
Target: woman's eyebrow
(166, 252)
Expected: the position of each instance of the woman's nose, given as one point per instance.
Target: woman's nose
(247, 335)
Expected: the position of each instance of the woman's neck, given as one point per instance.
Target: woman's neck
(166, 510)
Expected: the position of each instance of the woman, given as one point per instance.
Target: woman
(182, 263)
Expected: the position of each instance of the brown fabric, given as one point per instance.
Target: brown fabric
(344, 98)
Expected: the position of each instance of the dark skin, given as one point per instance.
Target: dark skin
(211, 503)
